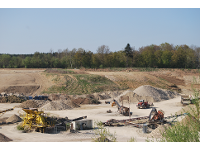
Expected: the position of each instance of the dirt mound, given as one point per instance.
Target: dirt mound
(4, 138)
(14, 118)
(85, 101)
(11, 99)
(22, 89)
(134, 98)
(58, 96)
(157, 133)
(156, 93)
(106, 95)
(29, 104)
(3, 120)
(59, 105)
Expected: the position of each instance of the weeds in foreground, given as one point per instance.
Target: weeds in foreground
(132, 140)
(103, 134)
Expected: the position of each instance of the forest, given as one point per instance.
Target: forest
(164, 55)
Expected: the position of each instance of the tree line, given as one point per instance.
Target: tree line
(164, 55)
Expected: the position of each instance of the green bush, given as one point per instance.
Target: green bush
(188, 131)
(103, 134)
(19, 127)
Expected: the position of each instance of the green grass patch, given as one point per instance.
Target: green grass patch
(78, 84)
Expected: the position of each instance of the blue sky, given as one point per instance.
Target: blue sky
(27, 30)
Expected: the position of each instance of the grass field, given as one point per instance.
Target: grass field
(77, 84)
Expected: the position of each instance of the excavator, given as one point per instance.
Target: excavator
(156, 117)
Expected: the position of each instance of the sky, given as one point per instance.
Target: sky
(26, 30)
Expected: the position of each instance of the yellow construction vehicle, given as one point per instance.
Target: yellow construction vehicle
(37, 120)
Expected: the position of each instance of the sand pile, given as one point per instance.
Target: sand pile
(4, 138)
(3, 120)
(49, 105)
(14, 118)
(59, 105)
(29, 104)
(157, 133)
(156, 93)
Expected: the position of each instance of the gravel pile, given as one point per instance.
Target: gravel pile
(11, 99)
(4, 138)
(59, 105)
(49, 105)
(29, 104)
(14, 118)
(157, 133)
(156, 93)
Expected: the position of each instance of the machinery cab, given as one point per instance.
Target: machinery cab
(141, 101)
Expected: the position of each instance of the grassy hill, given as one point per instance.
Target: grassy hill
(77, 84)
(88, 81)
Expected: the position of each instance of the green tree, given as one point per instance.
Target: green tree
(179, 57)
(158, 57)
(78, 57)
(166, 58)
(148, 56)
(27, 62)
(5, 60)
(87, 59)
(102, 51)
(128, 50)
(166, 46)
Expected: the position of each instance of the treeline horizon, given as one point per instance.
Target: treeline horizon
(164, 55)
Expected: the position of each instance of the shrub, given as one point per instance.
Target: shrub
(103, 134)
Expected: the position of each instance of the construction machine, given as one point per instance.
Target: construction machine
(156, 116)
(37, 120)
(143, 104)
(122, 109)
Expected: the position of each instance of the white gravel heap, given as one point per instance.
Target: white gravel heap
(156, 93)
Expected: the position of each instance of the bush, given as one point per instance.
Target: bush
(187, 131)
(19, 127)
(103, 134)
